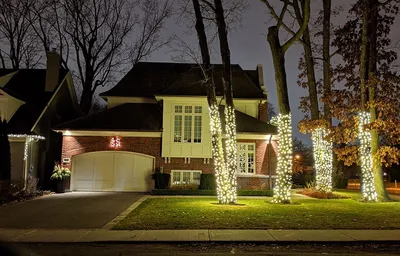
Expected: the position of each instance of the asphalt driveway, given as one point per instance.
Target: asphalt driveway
(67, 211)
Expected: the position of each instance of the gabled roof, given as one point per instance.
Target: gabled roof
(147, 79)
(28, 85)
(143, 117)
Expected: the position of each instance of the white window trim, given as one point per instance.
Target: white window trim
(183, 114)
(181, 177)
(247, 157)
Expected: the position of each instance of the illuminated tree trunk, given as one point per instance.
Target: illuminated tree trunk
(284, 168)
(221, 173)
(376, 165)
(368, 186)
(230, 185)
(322, 149)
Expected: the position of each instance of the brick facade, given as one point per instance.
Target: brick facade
(265, 156)
(263, 111)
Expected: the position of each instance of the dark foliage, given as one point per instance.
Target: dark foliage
(5, 152)
(161, 180)
(207, 182)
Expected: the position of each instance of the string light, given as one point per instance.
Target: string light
(28, 140)
(323, 158)
(368, 187)
(226, 182)
(284, 169)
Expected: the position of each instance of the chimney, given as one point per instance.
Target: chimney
(52, 70)
(261, 79)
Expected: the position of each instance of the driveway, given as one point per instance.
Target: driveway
(67, 211)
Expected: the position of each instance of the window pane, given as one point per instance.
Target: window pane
(241, 147)
(250, 147)
(188, 129)
(178, 129)
(197, 129)
(250, 163)
(178, 109)
(196, 178)
(186, 177)
(188, 109)
(242, 162)
(176, 177)
(197, 109)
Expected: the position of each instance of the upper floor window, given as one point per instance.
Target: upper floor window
(187, 123)
(246, 158)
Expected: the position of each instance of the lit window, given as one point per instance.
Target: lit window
(183, 177)
(187, 123)
(246, 158)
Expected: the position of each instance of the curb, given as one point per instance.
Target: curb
(125, 213)
(202, 236)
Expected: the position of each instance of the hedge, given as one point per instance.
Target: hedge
(207, 182)
(172, 192)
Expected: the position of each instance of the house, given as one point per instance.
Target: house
(157, 119)
(32, 101)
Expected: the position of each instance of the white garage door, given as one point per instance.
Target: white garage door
(112, 171)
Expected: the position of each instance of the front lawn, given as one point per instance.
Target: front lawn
(205, 213)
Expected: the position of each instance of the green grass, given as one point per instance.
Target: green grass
(205, 213)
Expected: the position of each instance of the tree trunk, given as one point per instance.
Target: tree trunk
(326, 34)
(215, 119)
(376, 165)
(278, 57)
(364, 58)
(230, 122)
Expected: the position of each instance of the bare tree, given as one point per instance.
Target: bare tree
(18, 43)
(109, 35)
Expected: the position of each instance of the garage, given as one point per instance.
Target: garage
(112, 171)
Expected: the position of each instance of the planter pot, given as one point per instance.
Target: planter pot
(60, 186)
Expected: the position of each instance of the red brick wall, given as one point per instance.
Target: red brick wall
(253, 183)
(265, 155)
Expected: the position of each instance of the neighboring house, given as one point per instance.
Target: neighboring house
(32, 101)
(157, 119)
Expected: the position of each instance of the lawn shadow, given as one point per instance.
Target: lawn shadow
(229, 204)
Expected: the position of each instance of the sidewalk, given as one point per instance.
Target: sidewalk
(101, 235)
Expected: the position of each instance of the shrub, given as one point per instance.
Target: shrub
(339, 181)
(161, 180)
(173, 192)
(301, 179)
(206, 192)
(255, 192)
(185, 187)
(207, 182)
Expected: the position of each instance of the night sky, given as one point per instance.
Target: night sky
(249, 47)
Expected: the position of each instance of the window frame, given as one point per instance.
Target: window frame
(247, 151)
(193, 114)
(181, 177)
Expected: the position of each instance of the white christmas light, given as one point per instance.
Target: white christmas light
(323, 158)
(284, 169)
(29, 139)
(231, 153)
(226, 183)
(368, 185)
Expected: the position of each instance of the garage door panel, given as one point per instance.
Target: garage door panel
(123, 168)
(142, 170)
(112, 171)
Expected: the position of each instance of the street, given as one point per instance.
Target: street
(122, 249)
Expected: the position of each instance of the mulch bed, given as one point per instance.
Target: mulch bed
(21, 196)
(321, 195)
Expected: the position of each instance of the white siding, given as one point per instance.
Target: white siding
(179, 149)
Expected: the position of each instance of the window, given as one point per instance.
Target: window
(187, 123)
(246, 158)
(185, 177)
